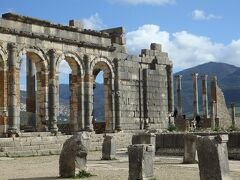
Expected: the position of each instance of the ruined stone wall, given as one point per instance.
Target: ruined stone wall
(222, 111)
(144, 89)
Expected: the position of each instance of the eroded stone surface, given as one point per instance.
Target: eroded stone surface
(213, 157)
(73, 157)
(141, 163)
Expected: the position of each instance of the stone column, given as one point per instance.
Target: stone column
(13, 77)
(205, 95)
(80, 102)
(88, 90)
(213, 114)
(52, 93)
(117, 97)
(233, 114)
(195, 95)
(170, 88)
(73, 88)
(108, 147)
(179, 93)
(31, 95)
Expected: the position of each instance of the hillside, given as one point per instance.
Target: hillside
(228, 79)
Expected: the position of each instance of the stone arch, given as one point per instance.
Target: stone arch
(104, 64)
(76, 88)
(37, 100)
(3, 91)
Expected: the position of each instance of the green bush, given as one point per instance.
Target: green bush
(172, 127)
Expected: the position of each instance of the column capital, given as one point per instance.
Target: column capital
(195, 75)
(178, 76)
(214, 78)
(12, 46)
(205, 76)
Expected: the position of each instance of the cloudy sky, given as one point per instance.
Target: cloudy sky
(192, 32)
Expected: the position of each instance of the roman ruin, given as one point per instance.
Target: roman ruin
(135, 87)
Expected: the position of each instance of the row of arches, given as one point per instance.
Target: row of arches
(82, 79)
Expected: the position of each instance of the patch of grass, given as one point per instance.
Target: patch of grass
(114, 158)
(172, 127)
(233, 128)
(154, 178)
(83, 174)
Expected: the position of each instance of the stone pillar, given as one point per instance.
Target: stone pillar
(190, 151)
(170, 88)
(73, 102)
(117, 97)
(179, 93)
(141, 162)
(80, 102)
(13, 78)
(213, 157)
(233, 114)
(109, 148)
(52, 93)
(145, 99)
(205, 95)
(213, 114)
(195, 95)
(31, 94)
(88, 90)
(214, 92)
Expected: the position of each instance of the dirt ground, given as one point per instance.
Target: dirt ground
(46, 167)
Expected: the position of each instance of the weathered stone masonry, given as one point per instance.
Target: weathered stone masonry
(138, 90)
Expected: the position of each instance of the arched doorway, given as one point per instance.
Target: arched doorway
(69, 91)
(106, 124)
(33, 90)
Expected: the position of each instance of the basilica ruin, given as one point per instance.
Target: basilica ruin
(138, 90)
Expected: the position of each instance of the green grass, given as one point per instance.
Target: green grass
(83, 174)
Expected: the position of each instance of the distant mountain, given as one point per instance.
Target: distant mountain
(228, 77)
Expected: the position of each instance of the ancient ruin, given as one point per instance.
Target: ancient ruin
(135, 87)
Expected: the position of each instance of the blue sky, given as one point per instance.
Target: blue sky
(192, 32)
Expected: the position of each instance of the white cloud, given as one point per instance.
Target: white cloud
(152, 2)
(93, 22)
(200, 15)
(184, 49)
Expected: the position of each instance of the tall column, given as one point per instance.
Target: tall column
(214, 93)
(205, 95)
(117, 97)
(170, 88)
(195, 95)
(88, 103)
(179, 93)
(233, 114)
(213, 114)
(13, 77)
(80, 102)
(31, 95)
(52, 91)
